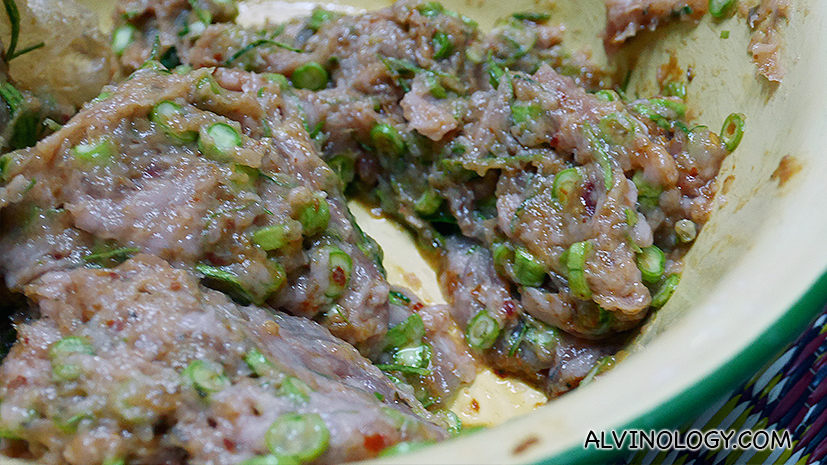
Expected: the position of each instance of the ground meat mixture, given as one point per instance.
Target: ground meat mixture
(625, 18)
(557, 212)
(765, 44)
(177, 166)
(139, 363)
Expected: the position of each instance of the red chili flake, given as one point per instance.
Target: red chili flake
(229, 445)
(475, 406)
(587, 198)
(375, 443)
(509, 308)
(175, 286)
(18, 382)
(338, 276)
(418, 306)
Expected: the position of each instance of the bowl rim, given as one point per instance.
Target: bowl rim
(700, 395)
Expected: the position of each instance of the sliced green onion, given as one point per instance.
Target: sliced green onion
(271, 237)
(344, 166)
(279, 79)
(70, 425)
(482, 331)
(26, 119)
(161, 115)
(430, 9)
(319, 17)
(675, 89)
(416, 356)
(576, 264)
(225, 281)
(311, 76)
(732, 131)
(495, 72)
(114, 461)
(404, 369)
(668, 108)
(646, 191)
(686, 230)
(600, 154)
(725, 34)
(62, 350)
(206, 377)
(565, 183)
(617, 129)
(607, 95)
(406, 333)
(218, 142)
(599, 368)
(258, 363)
(122, 37)
(651, 261)
(303, 437)
(314, 215)
(387, 140)
(114, 257)
(542, 336)
(666, 290)
(435, 87)
(398, 298)
(443, 48)
(97, 153)
(719, 8)
(341, 266)
(532, 16)
(428, 203)
(452, 420)
(525, 113)
(502, 254)
(631, 217)
(271, 460)
(296, 390)
(528, 270)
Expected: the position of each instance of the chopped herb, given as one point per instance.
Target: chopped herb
(404, 369)
(14, 22)
(114, 257)
(576, 265)
(398, 298)
(665, 291)
(443, 48)
(206, 377)
(651, 262)
(256, 44)
(300, 436)
(535, 17)
(482, 331)
(311, 76)
(732, 131)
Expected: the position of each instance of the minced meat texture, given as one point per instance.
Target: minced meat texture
(178, 166)
(139, 363)
(585, 200)
(625, 18)
(634, 171)
(265, 221)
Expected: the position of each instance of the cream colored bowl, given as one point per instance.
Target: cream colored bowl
(756, 275)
